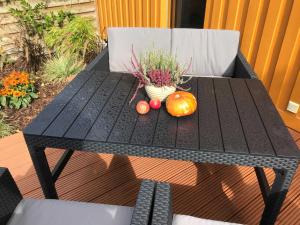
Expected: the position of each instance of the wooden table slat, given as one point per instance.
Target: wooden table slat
(255, 133)
(49, 113)
(232, 131)
(166, 128)
(125, 124)
(187, 128)
(210, 136)
(144, 129)
(65, 119)
(107, 118)
(89, 114)
(278, 134)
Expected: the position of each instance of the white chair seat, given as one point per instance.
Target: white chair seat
(190, 220)
(58, 212)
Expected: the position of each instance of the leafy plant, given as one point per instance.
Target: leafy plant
(5, 128)
(33, 23)
(76, 37)
(157, 68)
(17, 90)
(60, 67)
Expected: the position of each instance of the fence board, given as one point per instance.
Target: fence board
(270, 40)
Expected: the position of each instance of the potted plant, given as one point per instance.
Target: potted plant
(158, 72)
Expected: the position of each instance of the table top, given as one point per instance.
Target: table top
(234, 116)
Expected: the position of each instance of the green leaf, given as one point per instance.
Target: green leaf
(33, 95)
(18, 104)
(24, 104)
(3, 100)
(25, 101)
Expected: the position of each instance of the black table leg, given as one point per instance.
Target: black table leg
(43, 171)
(277, 195)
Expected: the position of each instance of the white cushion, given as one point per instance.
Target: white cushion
(57, 212)
(189, 220)
(213, 52)
(121, 41)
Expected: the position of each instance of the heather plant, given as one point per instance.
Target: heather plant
(157, 68)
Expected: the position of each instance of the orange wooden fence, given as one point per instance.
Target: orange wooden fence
(270, 40)
(133, 13)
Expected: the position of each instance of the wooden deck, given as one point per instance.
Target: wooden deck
(210, 191)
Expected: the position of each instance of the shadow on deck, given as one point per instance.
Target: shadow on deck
(219, 192)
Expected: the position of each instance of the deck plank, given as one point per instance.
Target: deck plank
(103, 178)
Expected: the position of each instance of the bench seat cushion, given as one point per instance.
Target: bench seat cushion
(58, 212)
(121, 41)
(212, 52)
(190, 220)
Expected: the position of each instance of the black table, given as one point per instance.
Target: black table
(236, 124)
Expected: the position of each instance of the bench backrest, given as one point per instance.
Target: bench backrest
(211, 52)
(121, 41)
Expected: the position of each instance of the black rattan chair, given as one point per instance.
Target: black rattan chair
(15, 210)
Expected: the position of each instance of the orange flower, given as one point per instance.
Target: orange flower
(13, 82)
(3, 92)
(23, 93)
(24, 75)
(17, 94)
(23, 81)
(6, 82)
(9, 91)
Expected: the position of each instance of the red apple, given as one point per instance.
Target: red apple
(142, 107)
(155, 104)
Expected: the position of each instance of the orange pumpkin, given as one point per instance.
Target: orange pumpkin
(181, 103)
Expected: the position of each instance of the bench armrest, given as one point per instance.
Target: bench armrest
(101, 62)
(143, 208)
(10, 195)
(162, 209)
(242, 68)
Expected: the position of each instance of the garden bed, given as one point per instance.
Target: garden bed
(53, 48)
(46, 91)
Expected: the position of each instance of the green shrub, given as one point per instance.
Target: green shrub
(33, 23)
(77, 37)
(60, 67)
(5, 128)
